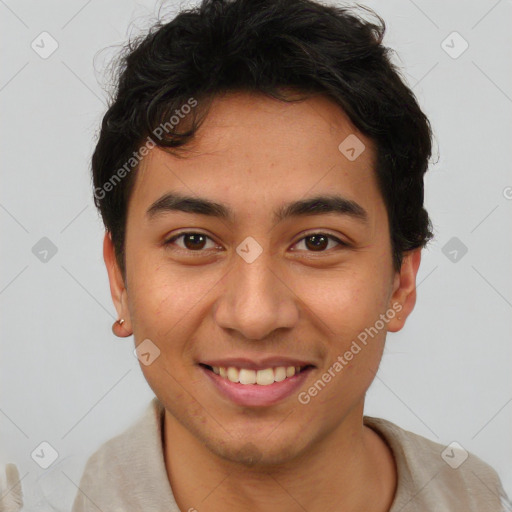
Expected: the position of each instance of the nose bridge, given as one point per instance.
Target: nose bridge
(255, 301)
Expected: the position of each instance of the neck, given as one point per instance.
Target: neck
(349, 469)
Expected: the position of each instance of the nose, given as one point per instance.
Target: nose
(256, 299)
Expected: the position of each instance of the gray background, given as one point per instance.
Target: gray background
(65, 379)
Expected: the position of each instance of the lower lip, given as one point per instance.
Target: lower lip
(255, 395)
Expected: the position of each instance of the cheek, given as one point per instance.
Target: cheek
(165, 308)
(350, 309)
(167, 301)
(350, 305)
(347, 301)
(158, 304)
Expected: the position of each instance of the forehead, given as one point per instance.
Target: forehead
(253, 150)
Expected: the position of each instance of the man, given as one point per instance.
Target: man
(260, 176)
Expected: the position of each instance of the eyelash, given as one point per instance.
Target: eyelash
(308, 235)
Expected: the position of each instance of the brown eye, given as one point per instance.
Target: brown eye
(191, 241)
(194, 241)
(318, 242)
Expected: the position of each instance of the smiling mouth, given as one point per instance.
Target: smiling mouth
(263, 377)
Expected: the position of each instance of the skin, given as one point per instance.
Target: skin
(254, 154)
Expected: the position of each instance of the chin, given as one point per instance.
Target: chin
(256, 453)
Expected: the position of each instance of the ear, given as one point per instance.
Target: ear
(403, 298)
(117, 288)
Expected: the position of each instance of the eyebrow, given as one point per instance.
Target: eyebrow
(322, 204)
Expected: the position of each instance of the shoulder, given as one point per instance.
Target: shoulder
(432, 476)
(125, 446)
(128, 470)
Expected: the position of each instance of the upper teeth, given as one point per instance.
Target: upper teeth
(261, 377)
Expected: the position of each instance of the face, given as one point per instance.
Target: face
(264, 279)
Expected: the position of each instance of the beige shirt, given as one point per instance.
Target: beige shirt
(127, 473)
